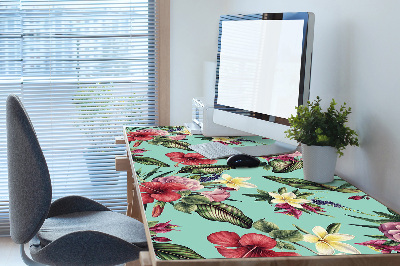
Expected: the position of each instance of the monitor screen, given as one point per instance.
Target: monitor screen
(263, 71)
(260, 67)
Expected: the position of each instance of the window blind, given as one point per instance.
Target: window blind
(83, 69)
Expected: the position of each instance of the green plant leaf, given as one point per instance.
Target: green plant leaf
(149, 161)
(380, 221)
(368, 226)
(282, 190)
(301, 230)
(152, 223)
(167, 251)
(196, 199)
(184, 207)
(391, 243)
(377, 236)
(305, 184)
(218, 211)
(390, 216)
(204, 169)
(333, 228)
(262, 196)
(169, 143)
(393, 212)
(288, 235)
(265, 226)
(284, 245)
(281, 166)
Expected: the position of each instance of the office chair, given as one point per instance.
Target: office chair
(70, 231)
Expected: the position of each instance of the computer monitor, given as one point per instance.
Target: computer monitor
(263, 73)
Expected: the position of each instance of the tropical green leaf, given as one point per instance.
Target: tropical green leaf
(305, 184)
(390, 216)
(391, 243)
(301, 230)
(152, 223)
(345, 185)
(333, 228)
(364, 225)
(204, 169)
(393, 212)
(168, 251)
(377, 236)
(196, 199)
(169, 143)
(381, 221)
(303, 195)
(284, 245)
(281, 166)
(282, 190)
(265, 166)
(184, 207)
(289, 235)
(218, 211)
(162, 174)
(262, 196)
(265, 226)
(149, 161)
(184, 193)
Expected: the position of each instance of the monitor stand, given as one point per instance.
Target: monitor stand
(277, 148)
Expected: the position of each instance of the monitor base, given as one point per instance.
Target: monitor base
(277, 148)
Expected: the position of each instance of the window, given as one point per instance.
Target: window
(83, 69)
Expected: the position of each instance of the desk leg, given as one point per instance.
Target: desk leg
(144, 260)
(133, 198)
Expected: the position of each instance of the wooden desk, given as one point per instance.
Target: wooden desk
(200, 211)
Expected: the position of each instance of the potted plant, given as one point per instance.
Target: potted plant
(323, 135)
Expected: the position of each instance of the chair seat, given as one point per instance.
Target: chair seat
(108, 222)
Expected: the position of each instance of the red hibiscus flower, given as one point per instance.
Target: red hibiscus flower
(189, 158)
(247, 246)
(161, 192)
(145, 134)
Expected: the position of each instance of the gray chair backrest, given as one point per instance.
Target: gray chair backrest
(29, 183)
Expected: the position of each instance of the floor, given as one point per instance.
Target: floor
(10, 256)
(9, 253)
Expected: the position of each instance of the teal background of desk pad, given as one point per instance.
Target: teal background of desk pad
(182, 235)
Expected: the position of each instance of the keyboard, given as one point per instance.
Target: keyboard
(214, 150)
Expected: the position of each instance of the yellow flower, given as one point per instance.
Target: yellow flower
(223, 139)
(289, 198)
(236, 182)
(327, 243)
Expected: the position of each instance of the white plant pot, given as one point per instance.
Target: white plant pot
(319, 163)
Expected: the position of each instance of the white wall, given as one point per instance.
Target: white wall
(356, 60)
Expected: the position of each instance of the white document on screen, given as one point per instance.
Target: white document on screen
(260, 65)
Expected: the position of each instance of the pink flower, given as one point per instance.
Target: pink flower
(163, 227)
(216, 195)
(231, 245)
(289, 210)
(359, 197)
(191, 184)
(145, 134)
(161, 239)
(378, 246)
(391, 230)
(189, 158)
(284, 157)
(177, 137)
(138, 150)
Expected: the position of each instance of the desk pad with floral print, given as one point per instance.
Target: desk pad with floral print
(199, 208)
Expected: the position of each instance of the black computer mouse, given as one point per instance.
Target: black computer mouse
(243, 160)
